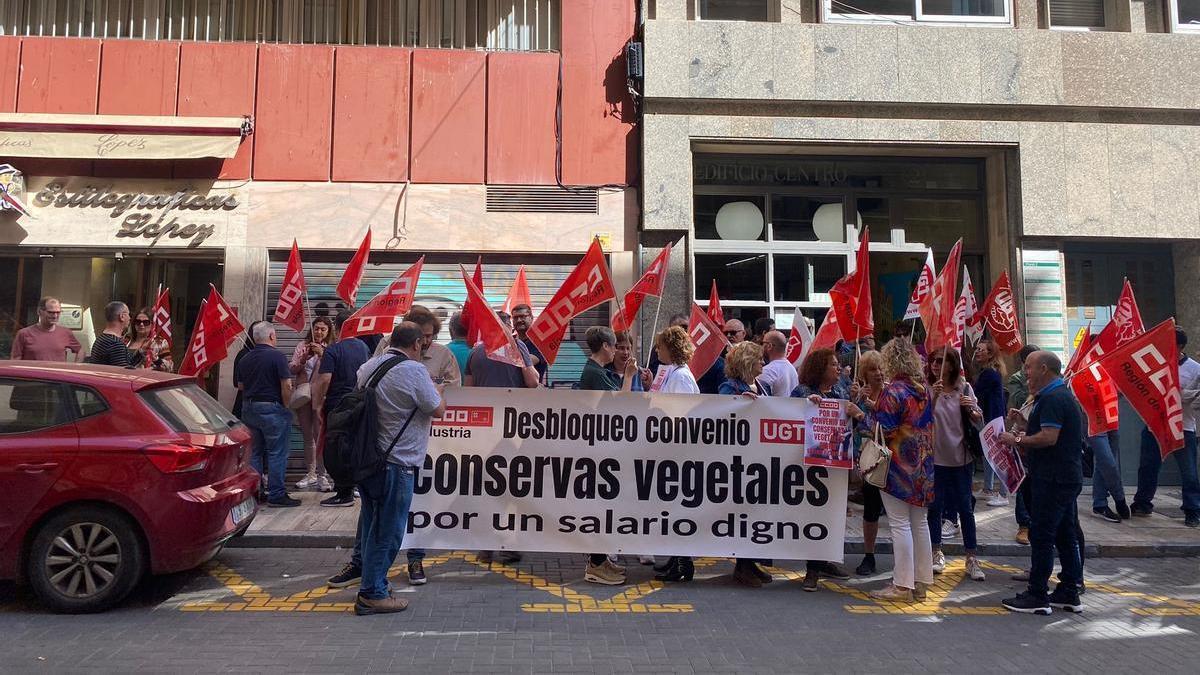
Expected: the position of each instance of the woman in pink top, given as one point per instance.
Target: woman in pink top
(305, 360)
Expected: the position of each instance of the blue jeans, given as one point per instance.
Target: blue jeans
(382, 520)
(952, 490)
(272, 424)
(1022, 508)
(1106, 473)
(1054, 526)
(1151, 462)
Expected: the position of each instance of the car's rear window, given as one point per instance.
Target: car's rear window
(188, 408)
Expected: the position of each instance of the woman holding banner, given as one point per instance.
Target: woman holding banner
(955, 411)
(904, 414)
(989, 388)
(674, 349)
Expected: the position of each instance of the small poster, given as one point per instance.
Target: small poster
(829, 441)
(1005, 460)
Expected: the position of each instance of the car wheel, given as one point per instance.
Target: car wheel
(85, 560)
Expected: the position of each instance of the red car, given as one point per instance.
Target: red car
(107, 473)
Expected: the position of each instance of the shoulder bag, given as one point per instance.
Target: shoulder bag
(875, 459)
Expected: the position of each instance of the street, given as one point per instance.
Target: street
(267, 610)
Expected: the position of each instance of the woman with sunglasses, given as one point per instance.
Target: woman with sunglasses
(155, 351)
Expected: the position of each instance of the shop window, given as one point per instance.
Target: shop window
(806, 218)
(739, 276)
(1185, 15)
(730, 217)
(736, 10)
(941, 11)
(1076, 13)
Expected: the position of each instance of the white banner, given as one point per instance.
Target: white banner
(600, 472)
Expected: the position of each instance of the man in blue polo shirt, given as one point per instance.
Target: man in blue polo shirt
(336, 377)
(265, 380)
(1053, 449)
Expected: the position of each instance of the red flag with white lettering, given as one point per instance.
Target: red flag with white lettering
(828, 334)
(800, 340)
(216, 328)
(708, 340)
(518, 293)
(937, 312)
(999, 314)
(923, 288)
(967, 322)
(1125, 325)
(650, 283)
(714, 306)
(161, 317)
(497, 339)
(1097, 396)
(588, 285)
(1146, 370)
(378, 316)
(347, 288)
(289, 310)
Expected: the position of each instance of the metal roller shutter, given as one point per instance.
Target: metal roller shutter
(1077, 13)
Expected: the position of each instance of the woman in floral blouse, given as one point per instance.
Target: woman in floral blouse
(905, 416)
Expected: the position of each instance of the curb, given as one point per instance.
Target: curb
(853, 546)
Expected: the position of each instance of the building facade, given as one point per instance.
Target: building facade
(1058, 139)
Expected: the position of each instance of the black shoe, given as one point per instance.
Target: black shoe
(832, 571)
(681, 569)
(349, 576)
(762, 575)
(867, 567)
(1141, 511)
(1107, 514)
(484, 557)
(416, 573)
(1025, 603)
(668, 569)
(338, 500)
(665, 565)
(810, 582)
(1192, 520)
(1063, 598)
(1123, 510)
(284, 502)
(508, 557)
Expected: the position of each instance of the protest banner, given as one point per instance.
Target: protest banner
(1005, 460)
(828, 441)
(585, 471)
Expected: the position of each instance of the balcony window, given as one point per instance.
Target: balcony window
(1076, 14)
(933, 11)
(1185, 16)
(456, 24)
(736, 10)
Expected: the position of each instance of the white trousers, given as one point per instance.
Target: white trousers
(912, 551)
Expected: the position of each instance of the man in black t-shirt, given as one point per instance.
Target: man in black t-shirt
(522, 319)
(109, 348)
(1053, 448)
(265, 380)
(337, 376)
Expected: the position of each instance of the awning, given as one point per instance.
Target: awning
(120, 136)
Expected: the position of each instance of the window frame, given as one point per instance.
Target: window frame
(1110, 11)
(1176, 27)
(64, 392)
(77, 410)
(918, 17)
(772, 13)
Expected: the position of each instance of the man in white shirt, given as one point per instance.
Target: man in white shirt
(1185, 457)
(779, 374)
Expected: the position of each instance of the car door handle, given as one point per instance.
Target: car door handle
(37, 467)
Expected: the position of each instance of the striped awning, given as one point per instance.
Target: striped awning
(120, 136)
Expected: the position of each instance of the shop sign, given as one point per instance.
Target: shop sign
(12, 189)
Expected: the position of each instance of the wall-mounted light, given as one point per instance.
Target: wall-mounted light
(829, 225)
(739, 221)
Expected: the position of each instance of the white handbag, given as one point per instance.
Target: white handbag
(874, 460)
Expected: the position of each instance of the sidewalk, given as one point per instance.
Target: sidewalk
(1162, 534)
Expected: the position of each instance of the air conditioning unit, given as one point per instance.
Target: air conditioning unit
(635, 63)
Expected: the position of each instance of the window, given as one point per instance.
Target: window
(736, 10)
(30, 405)
(943, 11)
(1185, 15)
(188, 409)
(1076, 13)
(461, 24)
(88, 401)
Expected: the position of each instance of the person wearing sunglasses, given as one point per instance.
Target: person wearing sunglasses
(155, 351)
(45, 340)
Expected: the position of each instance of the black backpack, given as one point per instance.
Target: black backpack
(352, 428)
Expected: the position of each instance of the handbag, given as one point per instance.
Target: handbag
(971, 438)
(875, 459)
(301, 396)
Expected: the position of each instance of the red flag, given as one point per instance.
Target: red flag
(379, 314)
(289, 311)
(800, 341)
(216, 328)
(1000, 316)
(588, 285)
(650, 283)
(497, 339)
(161, 317)
(922, 289)
(828, 334)
(714, 306)
(1085, 345)
(468, 310)
(1146, 370)
(1097, 397)
(518, 293)
(1125, 325)
(347, 288)
(938, 311)
(851, 295)
(708, 339)
(967, 322)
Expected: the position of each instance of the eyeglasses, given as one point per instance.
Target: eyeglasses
(142, 322)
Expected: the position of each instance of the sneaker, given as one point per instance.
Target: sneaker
(949, 529)
(338, 501)
(763, 575)
(1025, 603)
(389, 605)
(416, 573)
(810, 582)
(349, 576)
(1192, 520)
(920, 592)
(939, 562)
(1065, 599)
(1123, 510)
(1105, 513)
(997, 500)
(867, 567)
(1022, 537)
(309, 481)
(284, 502)
(508, 557)
(892, 593)
(1140, 511)
(605, 573)
(744, 576)
(646, 559)
(974, 571)
(832, 571)
(324, 484)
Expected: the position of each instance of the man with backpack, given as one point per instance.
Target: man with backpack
(405, 402)
(334, 379)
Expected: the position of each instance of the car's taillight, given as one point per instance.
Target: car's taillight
(176, 457)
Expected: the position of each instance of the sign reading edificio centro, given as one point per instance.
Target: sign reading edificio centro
(587, 472)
